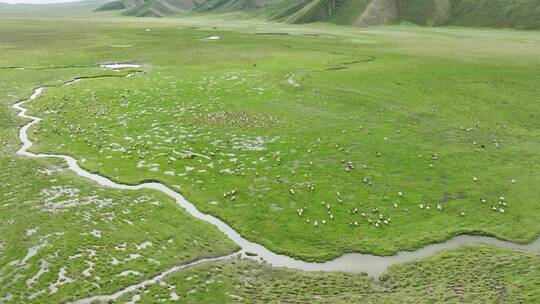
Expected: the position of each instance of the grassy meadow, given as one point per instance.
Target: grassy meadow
(312, 145)
(62, 237)
(472, 274)
(315, 142)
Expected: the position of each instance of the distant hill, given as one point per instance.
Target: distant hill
(490, 13)
(524, 14)
(50, 9)
(161, 8)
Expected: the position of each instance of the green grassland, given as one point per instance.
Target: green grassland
(63, 238)
(472, 274)
(264, 114)
(251, 128)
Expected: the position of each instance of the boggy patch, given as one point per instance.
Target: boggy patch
(238, 119)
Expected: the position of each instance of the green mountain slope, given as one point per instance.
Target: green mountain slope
(161, 8)
(502, 13)
(490, 13)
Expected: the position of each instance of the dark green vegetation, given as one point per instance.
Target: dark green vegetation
(473, 274)
(304, 144)
(488, 13)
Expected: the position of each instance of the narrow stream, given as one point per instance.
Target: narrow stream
(353, 262)
(151, 281)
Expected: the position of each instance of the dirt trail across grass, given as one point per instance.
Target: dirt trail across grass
(353, 262)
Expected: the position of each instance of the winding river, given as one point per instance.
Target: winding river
(353, 262)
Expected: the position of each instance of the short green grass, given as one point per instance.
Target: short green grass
(99, 239)
(64, 238)
(472, 274)
(252, 128)
(196, 94)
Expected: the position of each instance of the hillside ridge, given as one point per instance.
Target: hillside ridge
(519, 14)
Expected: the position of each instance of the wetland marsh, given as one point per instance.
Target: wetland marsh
(311, 146)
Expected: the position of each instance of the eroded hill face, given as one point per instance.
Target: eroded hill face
(491, 13)
(161, 8)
